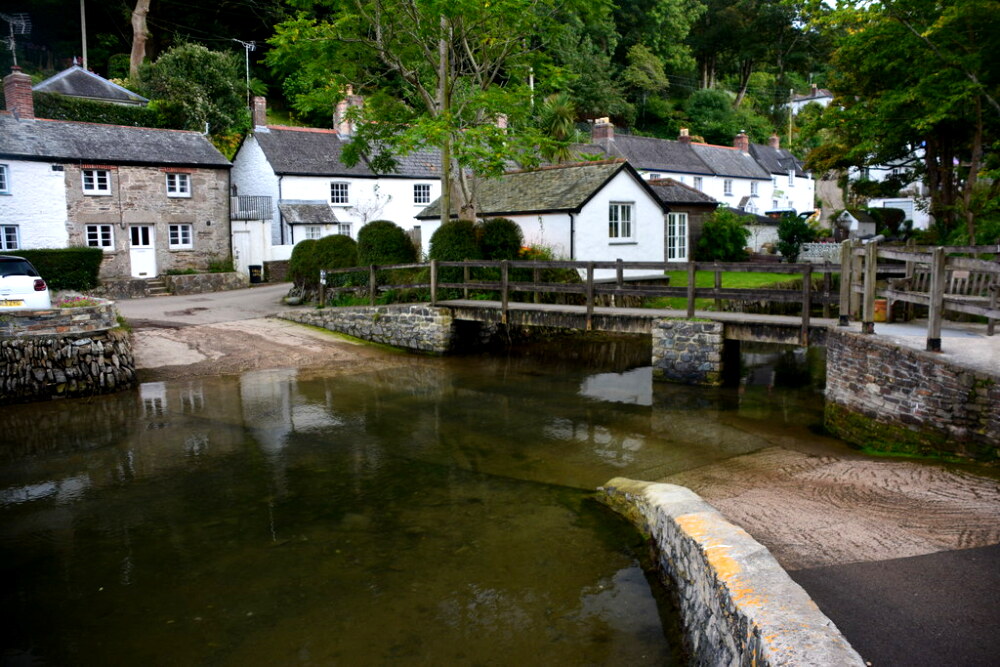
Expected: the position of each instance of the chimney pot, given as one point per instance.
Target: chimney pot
(742, 142)
(604, 130)
(341, 123)
(17, 90)
(775, 141)
(685, 136)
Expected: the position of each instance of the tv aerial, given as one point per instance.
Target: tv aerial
(19, 24)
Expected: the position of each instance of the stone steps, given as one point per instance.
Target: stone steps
(156, 287)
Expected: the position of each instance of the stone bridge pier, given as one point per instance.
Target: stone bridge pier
(686, 351)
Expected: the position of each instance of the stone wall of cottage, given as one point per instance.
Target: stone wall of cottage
(138, 196)
(63, 353)
(891, 398)
(418, 328)
(688, 352)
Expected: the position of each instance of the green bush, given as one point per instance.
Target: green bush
(499, 238)
(61, 107)
(723, 238)
(793, 231)
(66, 268)
(888, 221)
(302, 267)
(335, 252)
(455, 241)
(384, 242)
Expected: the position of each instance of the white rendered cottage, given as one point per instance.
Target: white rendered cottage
(600, 211)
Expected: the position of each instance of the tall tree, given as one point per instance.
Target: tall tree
(459, 66)
(918, 78)
(140, 33)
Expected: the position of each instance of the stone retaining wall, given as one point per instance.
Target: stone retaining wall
(59, 321)
(199, 283)
(737, 605)
(688, 352)
(35, 367)
(419, 328)
(892, 398)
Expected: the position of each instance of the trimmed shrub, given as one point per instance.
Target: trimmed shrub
(65, 268)
(335, 252)
(384, 242)
(723, 238)
(500, 238)
(302, 264)
(793, 231)
(888, 221)
(455, 241)
(61, 107)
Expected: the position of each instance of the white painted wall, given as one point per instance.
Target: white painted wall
(800, 194)
(36, 204)
(253, 177)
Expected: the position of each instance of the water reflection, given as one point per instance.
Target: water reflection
(435, 512)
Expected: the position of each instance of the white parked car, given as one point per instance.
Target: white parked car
(21, 288)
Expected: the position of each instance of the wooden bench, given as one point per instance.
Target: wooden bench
(962, 287)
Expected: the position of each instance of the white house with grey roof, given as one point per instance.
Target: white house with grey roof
(152, 200)
(600, 211)
(316, 194)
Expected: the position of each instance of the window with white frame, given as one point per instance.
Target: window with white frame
(620, 221)
(774, 203)
(340, 193)
(421, 193)
(727, 187)
(791, 178)
(697, 183)
(344, 228)
(9, 237)
(4, 179)
(96, 182)
(753, 188)
(100, 236)
(313, 232)
(180, 237)
(178, 185)
(864, 174)
(677, 239)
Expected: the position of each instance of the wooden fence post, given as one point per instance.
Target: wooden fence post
(911, 267)
(590, 296)
(372, 286)
(536, 277)
(619, 282)
(504, 285)
(322, 287)
(845, 284)
(868, 310)
(826, 288)
(465, 281)
(434, 281)
(806, 304)
(692, 276)
(936, 300)
(856, 276)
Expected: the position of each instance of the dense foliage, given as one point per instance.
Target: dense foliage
(66, 268)
(455, 241)
(311, 255)
(384, 242)
(499, 238)
(723, 238)
(793, 231)
(61, 107)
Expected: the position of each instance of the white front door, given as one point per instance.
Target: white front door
(142, 251)
(241, 251)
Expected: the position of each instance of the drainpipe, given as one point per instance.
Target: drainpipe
(572, 237)
(281, 225)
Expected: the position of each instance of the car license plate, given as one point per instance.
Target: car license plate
(11, 303)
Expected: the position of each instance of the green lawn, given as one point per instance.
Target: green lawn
(737, 279)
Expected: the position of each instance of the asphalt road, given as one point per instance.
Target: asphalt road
(209, 308)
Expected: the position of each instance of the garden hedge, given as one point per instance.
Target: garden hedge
(65, 268)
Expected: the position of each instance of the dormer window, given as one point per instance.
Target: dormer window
(178, 185)
(96, 182)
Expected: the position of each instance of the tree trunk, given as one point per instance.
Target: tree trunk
(140, 33)
(443, 106)
(746, 69)
(970, 181)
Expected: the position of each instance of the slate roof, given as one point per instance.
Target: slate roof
(669, 191)
(78, 82)
(306, 211)
(760, 219)
(725, 161)
(650, 153)
(776, 160)
(316, 152)
(57, 140)
(859, 214)
(563, 188)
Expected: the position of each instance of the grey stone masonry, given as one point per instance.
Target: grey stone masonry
(688, 352)
(59, 321)
(737, 605)
(419, 328)
(199, 283)
(34, 368)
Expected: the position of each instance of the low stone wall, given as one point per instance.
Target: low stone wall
(892, 398)
(687, 351)
(419, 328)
(34, 368)
(817, 253)
(737, 605)
(199, 283)
(59, 321)
(276, 271)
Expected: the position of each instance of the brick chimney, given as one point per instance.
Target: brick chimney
(742, 142)
(604, 130)
(17, 90)
(685, 136)
(341, 123)
(775, 141)
(259, 111)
